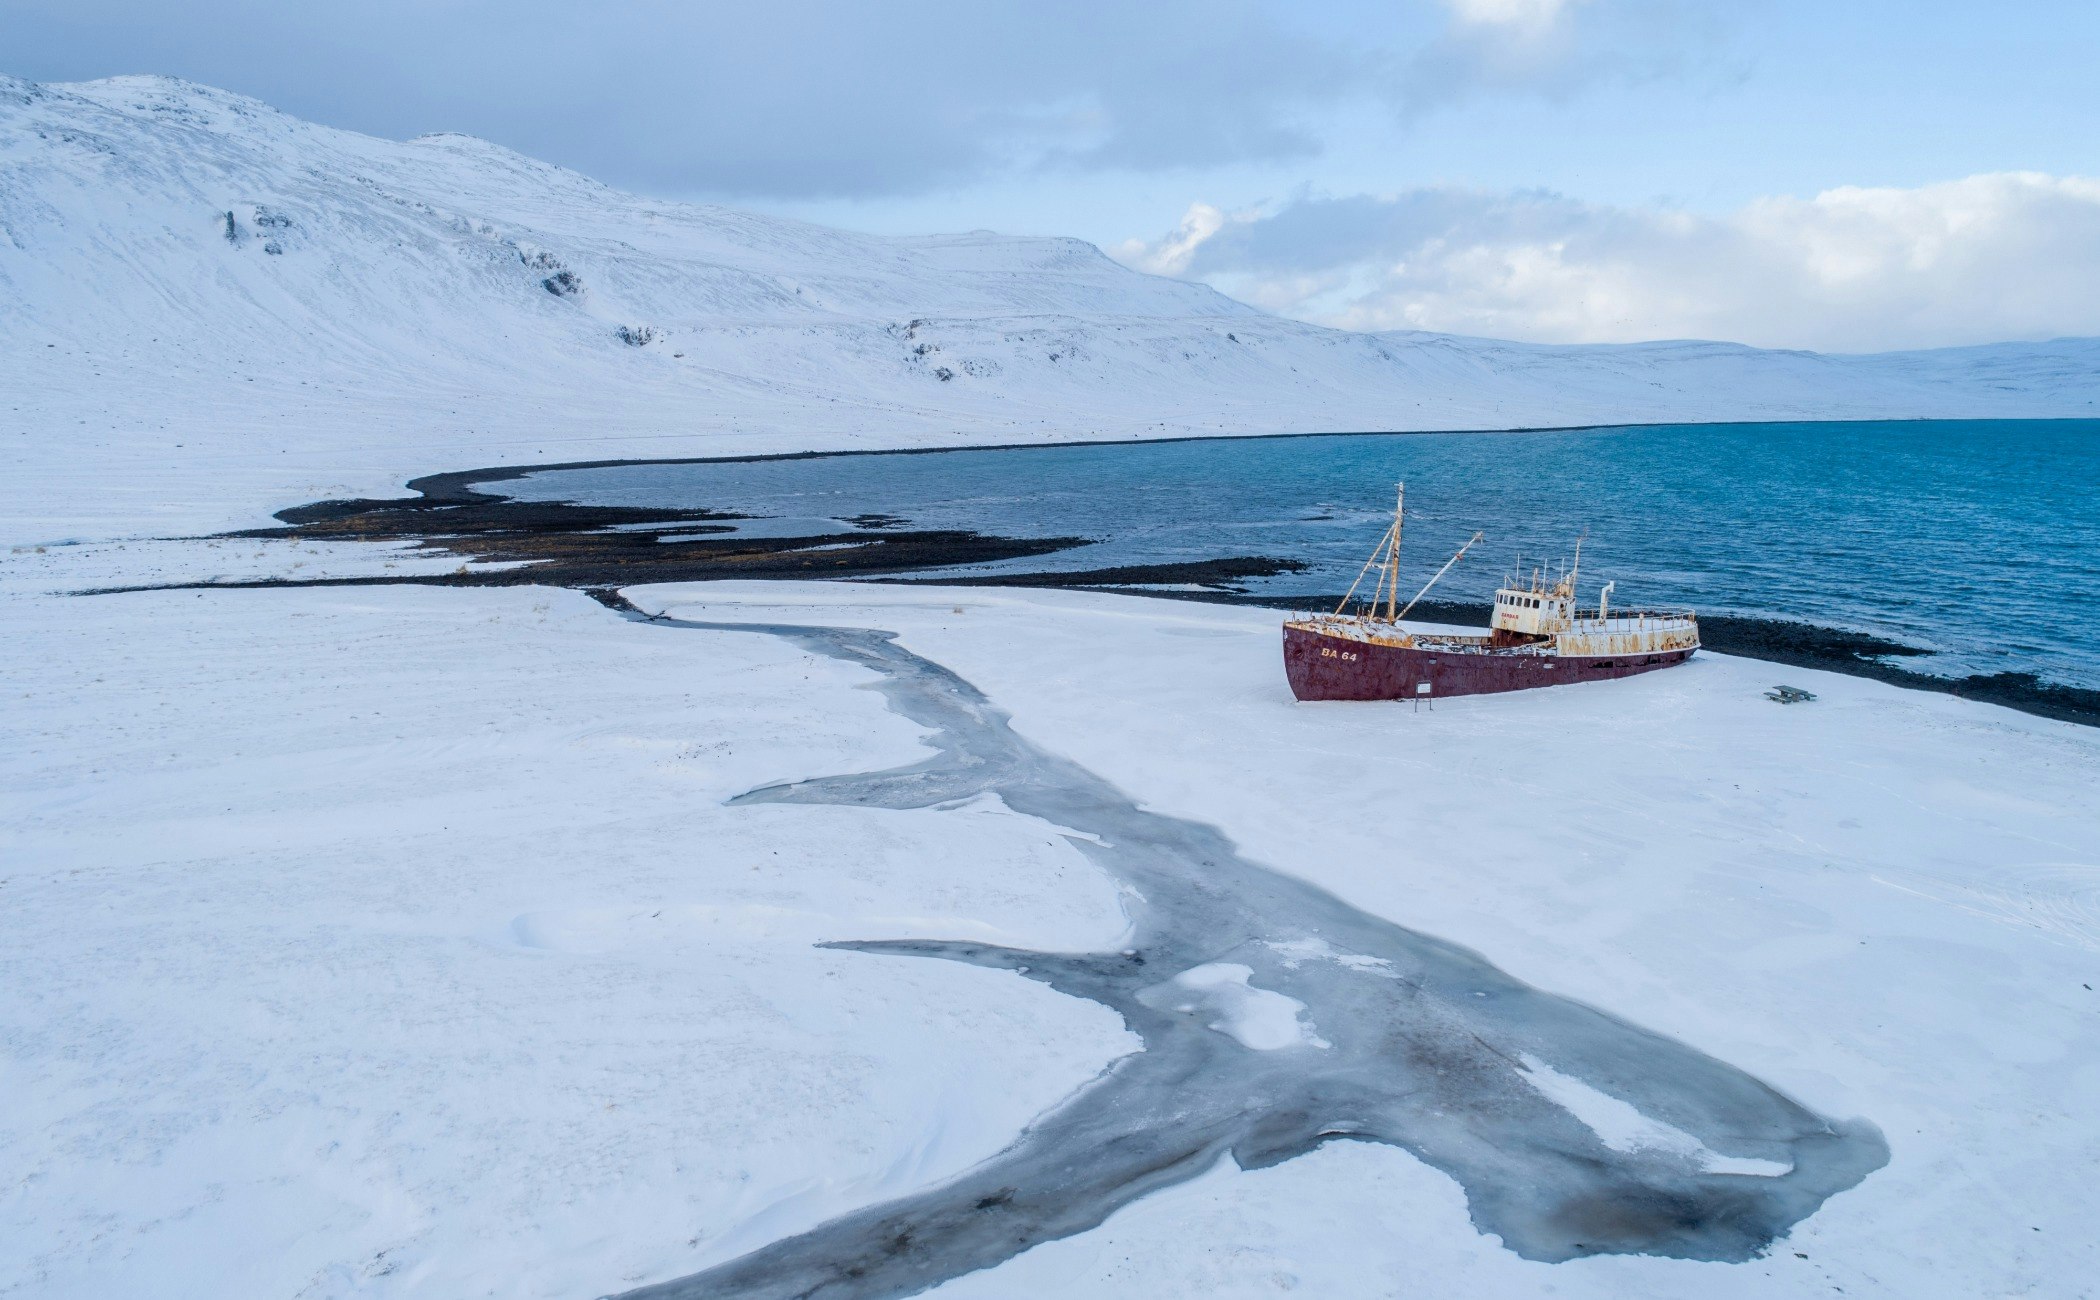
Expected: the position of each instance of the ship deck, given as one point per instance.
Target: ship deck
(1630, 633)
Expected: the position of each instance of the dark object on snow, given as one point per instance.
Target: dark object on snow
(1538, 635)
(636, 336)
(233, 231)
(1788, 695)
(562, 284)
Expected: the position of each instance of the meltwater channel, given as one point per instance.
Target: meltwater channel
(1978, 540)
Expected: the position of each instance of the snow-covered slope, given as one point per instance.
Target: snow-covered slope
(202, 290)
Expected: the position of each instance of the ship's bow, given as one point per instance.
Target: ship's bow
(1322, 666)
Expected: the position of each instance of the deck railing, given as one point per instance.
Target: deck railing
(1633, 621)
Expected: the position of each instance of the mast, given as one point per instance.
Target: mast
(1392, 555)
(1388, 546)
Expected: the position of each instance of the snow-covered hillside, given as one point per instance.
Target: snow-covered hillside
(201, 289)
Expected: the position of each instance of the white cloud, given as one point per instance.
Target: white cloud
(1521, 15)
(1170, 255)
(1553, 48)
(1997, 256)
(815, 99)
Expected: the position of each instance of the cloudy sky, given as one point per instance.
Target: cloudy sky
(1840, 174)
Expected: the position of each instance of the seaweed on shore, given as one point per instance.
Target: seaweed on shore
(562, 544)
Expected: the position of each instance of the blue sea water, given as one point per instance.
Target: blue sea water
(1979, 540)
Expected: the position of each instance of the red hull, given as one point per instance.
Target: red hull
(1322, 667)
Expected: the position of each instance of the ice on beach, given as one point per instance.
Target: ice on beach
(1623, 1128)
(1259, 1018)
(1312, 948)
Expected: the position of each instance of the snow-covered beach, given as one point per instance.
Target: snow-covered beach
(400, 940)
(407, 941)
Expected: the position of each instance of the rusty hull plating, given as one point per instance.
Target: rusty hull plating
(1340, 658)
(1538, 636)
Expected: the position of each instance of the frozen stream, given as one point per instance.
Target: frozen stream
(1276, 1017)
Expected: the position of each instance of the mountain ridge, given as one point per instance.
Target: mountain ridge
(189, 269)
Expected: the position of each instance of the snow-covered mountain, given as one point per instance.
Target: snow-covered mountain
(194, 280)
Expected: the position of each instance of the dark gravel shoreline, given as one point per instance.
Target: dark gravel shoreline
(591, 548)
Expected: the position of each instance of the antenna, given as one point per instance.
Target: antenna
(1393, 553)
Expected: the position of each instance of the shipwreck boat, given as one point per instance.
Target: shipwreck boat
(1537, 637)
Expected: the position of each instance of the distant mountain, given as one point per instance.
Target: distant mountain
(183, 265)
